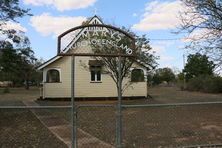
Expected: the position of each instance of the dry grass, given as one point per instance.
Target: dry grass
(19, 94)
(154, 127)
(147, 127)
(19, 127)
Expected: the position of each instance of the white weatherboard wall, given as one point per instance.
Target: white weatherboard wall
(83, 86)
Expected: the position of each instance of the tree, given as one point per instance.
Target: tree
(202, 20)
(10, 11)
(16, 56)
(143, 55)
(197, 65)
(18, 64)
(8, 62)
(26, 62)
(164, 74)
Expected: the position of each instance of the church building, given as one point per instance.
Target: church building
(91, 82)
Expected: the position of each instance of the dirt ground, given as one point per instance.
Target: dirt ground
(144, 127)
(18, 95)
(175, 95)
(19, 128)
(154, 126)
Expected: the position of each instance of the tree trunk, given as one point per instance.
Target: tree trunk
(27, 85)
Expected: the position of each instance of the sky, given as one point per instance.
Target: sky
(157, 19)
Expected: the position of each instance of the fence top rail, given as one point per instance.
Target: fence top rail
(96, 55)
(55, 107)
(34, 107)
(110, 105)
(95, 105)
(203, 146)
(171, 104)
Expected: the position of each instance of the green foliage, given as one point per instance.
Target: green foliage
(144, 52)
(163, 74)
(10, 10)
(18, 64)
(197, 65)
(205, 83)
(180, 81)
(180, 76)
(17, 59)
(149, 79)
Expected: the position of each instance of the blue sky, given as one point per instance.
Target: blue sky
(155, 18)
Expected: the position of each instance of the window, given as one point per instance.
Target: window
(52, 76)
(137, 75)
(95, 70)
(95, 73)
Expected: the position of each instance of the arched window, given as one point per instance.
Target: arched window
(137, 75)
(53, 76)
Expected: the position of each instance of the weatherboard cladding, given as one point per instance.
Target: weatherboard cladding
(84, 86)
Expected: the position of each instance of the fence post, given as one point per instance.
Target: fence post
(119, 113)
(73, 109)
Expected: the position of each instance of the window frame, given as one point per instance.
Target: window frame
(95, 74)
(144, 80)
(46, 74)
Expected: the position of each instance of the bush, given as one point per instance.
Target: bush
(208, 84)
(213, 85)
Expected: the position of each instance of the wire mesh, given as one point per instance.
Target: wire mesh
(172, 126)
(21, 128)
(96, 126)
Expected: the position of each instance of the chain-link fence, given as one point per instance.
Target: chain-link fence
(149, 125)
(96, 125)
(173, 125)
(21, 127)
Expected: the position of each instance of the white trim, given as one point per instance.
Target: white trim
(95, 74)
(47, 69)
(143, 64)
(49, 62)
(96, 81)
(144, 73)
(144, 70)
(66, 49)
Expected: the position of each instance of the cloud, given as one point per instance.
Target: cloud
(51, 25)
(159, 16)
(198, 35)
(13, 25)
(62, 5)
(160, 48)
(135, 15)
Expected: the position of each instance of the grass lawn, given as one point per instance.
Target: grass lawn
(154, 126)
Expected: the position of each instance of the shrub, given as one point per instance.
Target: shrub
(213, 85)
(195, 84)
(208, 84)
